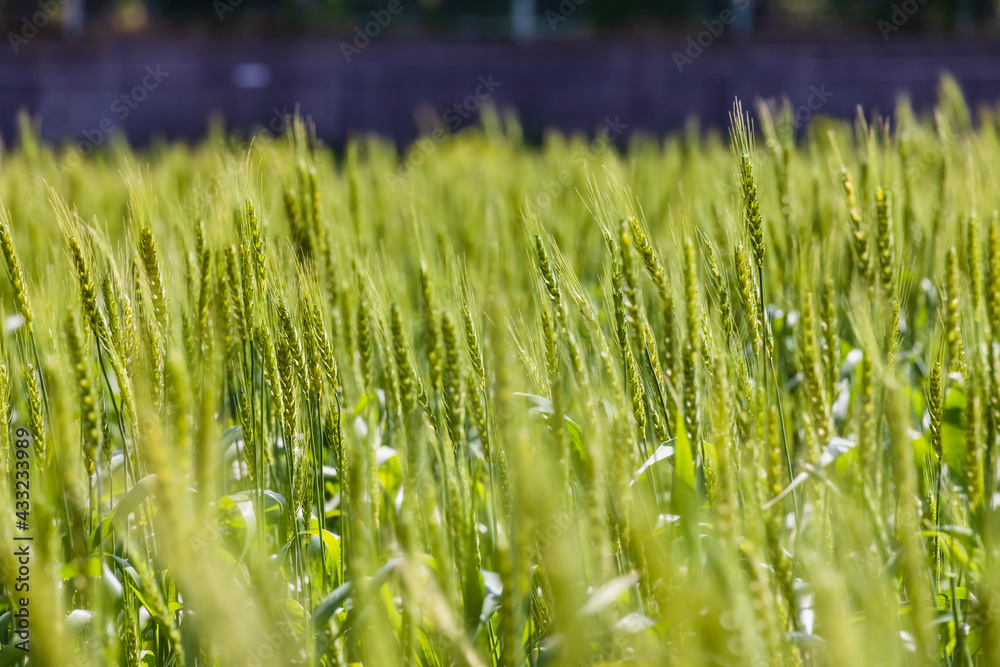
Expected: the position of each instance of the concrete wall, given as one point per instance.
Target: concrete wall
(567, 84)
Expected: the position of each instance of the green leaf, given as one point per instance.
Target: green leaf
(369, 399)
(834, 449)
(10, 655)
(142, 490)
(922, 450)
(542, 404)
(944, 596)
(662, 452)
(576, 438)
(90, 568)
(275, 507)
(390, 474)
(324, 610)
(684, 459)
(493, 587)
(954, 547)
(134, 581)
(331, 542)
(683, 496)
(229, 436)
(953, 427)
(238, 521)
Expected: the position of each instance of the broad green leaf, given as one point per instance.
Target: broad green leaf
(238, 521)
(324, 610)
(683, 496)
(10, 654)
(89, 568)
(576, 438)
(229, 436)
(662, 452)
(493, 587)
(142, 490)
(944, 597)
(275, 507)
(684, 456)
(954, 547)
(953, 427)
(370, 399)
(390, 609)
(134, 581)
(922, 450)
(331, 544)
(541, 404)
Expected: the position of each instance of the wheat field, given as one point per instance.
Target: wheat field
(722, 398)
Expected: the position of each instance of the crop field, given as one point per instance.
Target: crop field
(728, 397)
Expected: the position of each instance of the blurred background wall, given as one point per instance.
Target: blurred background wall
(86, 69)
